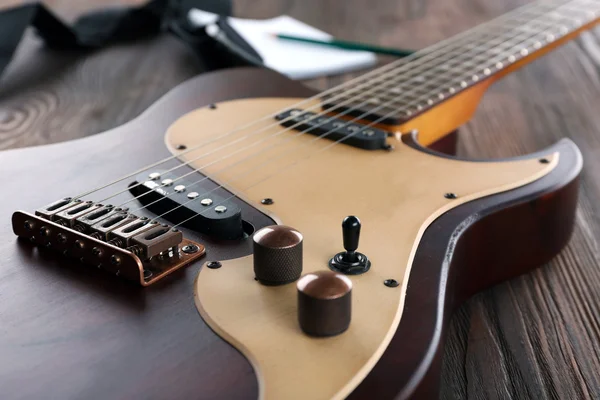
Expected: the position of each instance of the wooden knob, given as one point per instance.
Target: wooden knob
(324, 303)
(277, 255)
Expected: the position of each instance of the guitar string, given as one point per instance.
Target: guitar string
(262, 150)
(284, 168)
(526, 51)
(402, 62)
(337, 106)
(171, 181)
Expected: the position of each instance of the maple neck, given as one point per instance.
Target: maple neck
(413, 85)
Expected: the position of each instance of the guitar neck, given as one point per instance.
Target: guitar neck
(410, 87)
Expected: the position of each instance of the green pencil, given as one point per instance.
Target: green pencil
(342, 44)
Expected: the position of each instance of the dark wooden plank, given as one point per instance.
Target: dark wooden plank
(536, 336)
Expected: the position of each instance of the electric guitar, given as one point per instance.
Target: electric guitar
(246, 237)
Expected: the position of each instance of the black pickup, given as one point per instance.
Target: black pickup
(183, 201)
(350, 133)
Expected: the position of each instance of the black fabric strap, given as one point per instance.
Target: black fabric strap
(104, 27)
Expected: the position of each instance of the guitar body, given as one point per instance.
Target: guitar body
(69, 331)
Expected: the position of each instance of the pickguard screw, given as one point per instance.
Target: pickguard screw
(391, 283)
(214, 264)
(189, 248)
(44, 231)
(147, 274)
(79, 244)
(544, 161)
(61, 238)
(48, 245)
(450, 195)
(115, 259)
(32, 239)
(181, 147)
(212, 106)
(267, 202)
(28, 225)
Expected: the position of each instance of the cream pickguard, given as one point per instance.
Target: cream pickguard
(396, 194)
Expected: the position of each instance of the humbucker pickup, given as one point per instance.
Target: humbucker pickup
(336, 129)
(188, 202)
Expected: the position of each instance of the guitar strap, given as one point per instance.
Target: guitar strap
(109, 26)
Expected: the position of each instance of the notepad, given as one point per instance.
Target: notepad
(296, 60)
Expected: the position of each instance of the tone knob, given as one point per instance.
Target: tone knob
(277, 255)
(324, 303)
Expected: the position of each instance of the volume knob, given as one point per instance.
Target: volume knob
(324, 303)
(277, 255)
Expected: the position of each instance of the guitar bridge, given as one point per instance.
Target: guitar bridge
(108, 238)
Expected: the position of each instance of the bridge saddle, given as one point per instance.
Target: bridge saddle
(109, 238)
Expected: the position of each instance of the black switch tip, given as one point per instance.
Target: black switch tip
(351, 233)
(350, 262)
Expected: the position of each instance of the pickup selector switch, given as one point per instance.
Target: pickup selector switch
(277, 255)
(350, 262)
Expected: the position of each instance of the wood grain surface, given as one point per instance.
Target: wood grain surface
(537, 336)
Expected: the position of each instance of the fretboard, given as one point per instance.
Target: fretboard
(399, 91)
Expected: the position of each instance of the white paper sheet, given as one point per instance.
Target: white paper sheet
(294, 59)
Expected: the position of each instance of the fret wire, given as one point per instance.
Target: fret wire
(497, 24)
(478, 39)
(527, 47)
(514, 57)
(465, 77)
(454, 43)
(449, 50)
(499, 40)
(426, 73)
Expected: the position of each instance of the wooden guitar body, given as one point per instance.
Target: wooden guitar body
(68, 331)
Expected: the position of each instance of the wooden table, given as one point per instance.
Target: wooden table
(537, 336)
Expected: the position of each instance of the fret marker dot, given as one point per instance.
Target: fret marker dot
(441, 96)
(499, 65)
(487, 71)
(408, 113)
(452, 90)
(512, 59)
(419, 107)
(537, 45)
(430, 102)
(550, 38)
(578, 22)
(564, 30)
(524, 52)
(463, 84)
(475, 78)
